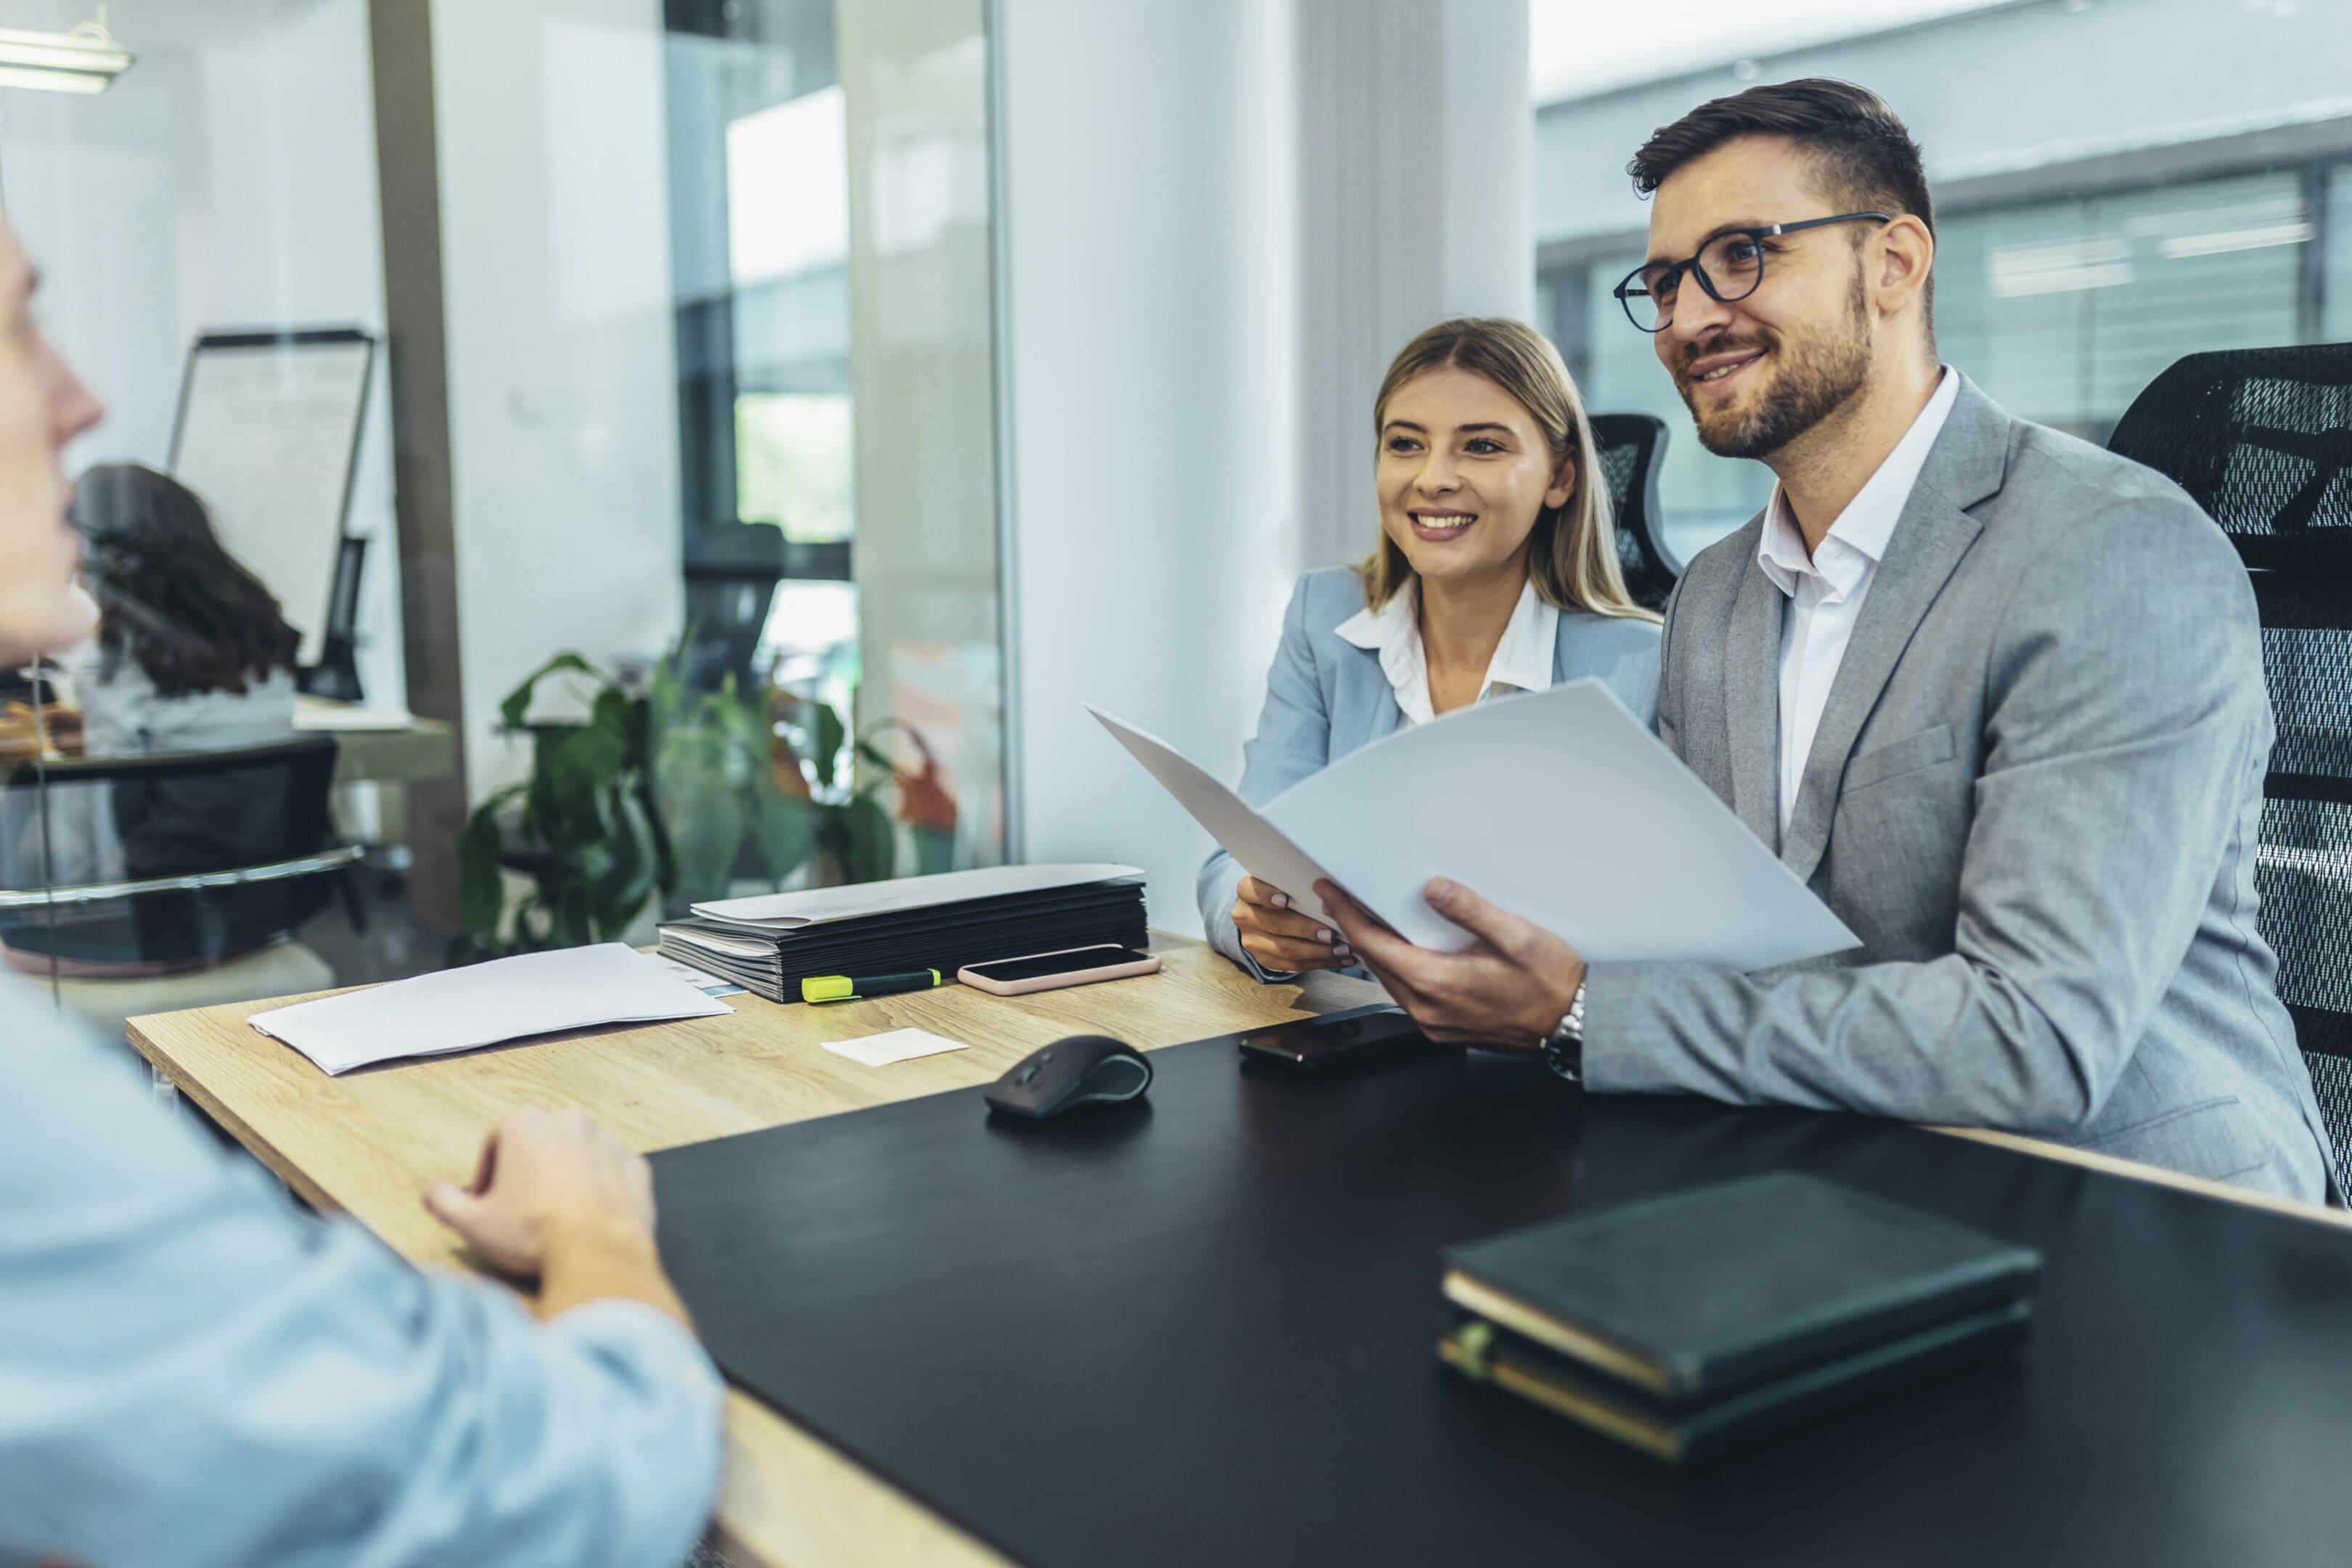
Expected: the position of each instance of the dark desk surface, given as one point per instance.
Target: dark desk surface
(1201, 1333)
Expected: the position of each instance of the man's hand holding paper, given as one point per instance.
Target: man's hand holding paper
(1507, 991)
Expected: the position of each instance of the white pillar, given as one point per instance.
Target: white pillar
(1221, 220)
(1416, 201)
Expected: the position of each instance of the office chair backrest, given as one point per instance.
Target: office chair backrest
(1632, 448)
(2262, 439)
(112, 820)
(730, 581)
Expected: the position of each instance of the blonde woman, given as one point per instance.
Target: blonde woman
(1496, 574)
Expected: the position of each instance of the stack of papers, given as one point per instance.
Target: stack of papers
(772, 942)
(507, 999)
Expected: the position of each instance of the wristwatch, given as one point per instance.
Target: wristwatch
(1563, 1048)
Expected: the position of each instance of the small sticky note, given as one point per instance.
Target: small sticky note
(897, 1046)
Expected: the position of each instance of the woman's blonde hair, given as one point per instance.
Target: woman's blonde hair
(1572, 552)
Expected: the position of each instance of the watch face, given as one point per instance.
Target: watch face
(1565, 1056)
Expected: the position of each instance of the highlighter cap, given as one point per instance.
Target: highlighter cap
(827, 988)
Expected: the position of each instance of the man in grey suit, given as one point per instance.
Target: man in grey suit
(1995, 694)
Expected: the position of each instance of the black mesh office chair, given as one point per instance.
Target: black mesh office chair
(2262, 439)
(1632, 448)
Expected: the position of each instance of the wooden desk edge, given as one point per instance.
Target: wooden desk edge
(2156, 1175)
(248, 1137)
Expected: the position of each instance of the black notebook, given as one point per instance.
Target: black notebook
(1687, 1434)
(1694, 1295)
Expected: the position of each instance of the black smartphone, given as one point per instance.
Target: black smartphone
(1343, 1040)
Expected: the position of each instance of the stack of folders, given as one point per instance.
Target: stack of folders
(770, 944)
(1691, 1324)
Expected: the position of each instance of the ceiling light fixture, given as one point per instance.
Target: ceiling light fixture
(83, 59)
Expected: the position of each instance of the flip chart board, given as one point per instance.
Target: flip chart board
(268, 435)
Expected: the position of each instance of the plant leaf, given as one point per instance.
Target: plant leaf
(868, 843)
(481, 890)
(517, 701)
(787, 829)
(826, 745)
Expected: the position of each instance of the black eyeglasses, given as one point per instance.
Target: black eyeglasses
(1730, 266)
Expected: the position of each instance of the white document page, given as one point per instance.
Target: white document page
(709, 984)
(814, 906)
(1262, 848)
(1558, 806)
(505, 999)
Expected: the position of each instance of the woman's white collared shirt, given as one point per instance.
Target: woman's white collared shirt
(1522, 661)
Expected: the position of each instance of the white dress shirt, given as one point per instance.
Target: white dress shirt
(1827, 588)
(1522, 661)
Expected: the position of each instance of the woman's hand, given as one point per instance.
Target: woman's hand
(1279, 936)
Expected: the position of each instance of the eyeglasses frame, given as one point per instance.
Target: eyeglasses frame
(1689, 264)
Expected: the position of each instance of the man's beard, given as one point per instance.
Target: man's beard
(1814, 381)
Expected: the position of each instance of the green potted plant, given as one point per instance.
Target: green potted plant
(660, 791)
(738, 803)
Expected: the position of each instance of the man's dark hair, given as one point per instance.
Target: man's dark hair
(1861, 149)
(168, 595)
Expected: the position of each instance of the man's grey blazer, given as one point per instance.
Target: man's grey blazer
(2034, 796)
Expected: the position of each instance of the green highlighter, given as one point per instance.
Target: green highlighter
(849, 988)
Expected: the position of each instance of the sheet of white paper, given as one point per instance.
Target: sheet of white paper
(505, 999)
(1262, 848)
(897, 1046)
(789, 912)
(708, 984)
(1560, 807)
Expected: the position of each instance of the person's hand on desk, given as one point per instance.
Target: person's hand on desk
(1506, 992)
(556, 1197)
(1279, 936)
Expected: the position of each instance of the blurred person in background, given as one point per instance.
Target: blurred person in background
(191, 652)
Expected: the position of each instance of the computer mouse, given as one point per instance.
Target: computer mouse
(1085, 1069)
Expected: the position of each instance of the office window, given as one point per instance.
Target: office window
(2062, 310)
(2102, 212)
(830, 239)
(2335, 242)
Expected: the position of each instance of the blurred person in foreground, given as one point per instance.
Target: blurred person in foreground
(194, 1373)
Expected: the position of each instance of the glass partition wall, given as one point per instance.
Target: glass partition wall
(830, 225)
(661, 537)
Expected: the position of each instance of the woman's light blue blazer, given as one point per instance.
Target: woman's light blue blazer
(1325, 697)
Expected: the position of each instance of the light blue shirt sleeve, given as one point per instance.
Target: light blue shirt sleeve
(194, 1373)
(1293, 743)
